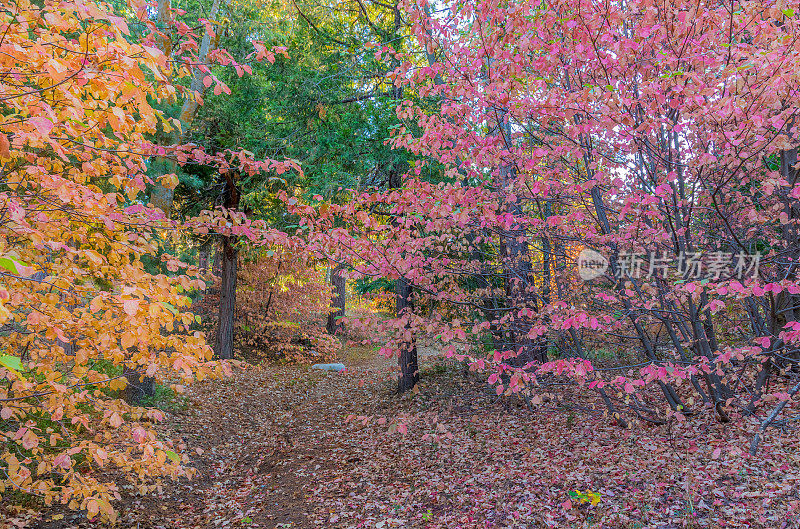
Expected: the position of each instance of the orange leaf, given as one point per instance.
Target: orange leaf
(4, 147)
(92, 508)
(115, 420)
(131, 306)
(96, 304)
(128, 339)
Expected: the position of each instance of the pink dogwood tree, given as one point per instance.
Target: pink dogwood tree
(615, 179)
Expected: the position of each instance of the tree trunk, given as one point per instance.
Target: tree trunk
(409, 368)
(202, 261)
(404, 289)
(228, 256)
(518, 269)
(139, 386)
(223, 348)
(334, 323)
(216, 263)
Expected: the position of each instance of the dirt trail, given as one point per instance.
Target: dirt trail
(266, 439)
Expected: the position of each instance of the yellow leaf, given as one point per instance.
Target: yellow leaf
(15, 266)
(94, 257)
(11, 364)
(170, 181)
(81, 357)
(96, 304)
(115, 420)
(128, 339)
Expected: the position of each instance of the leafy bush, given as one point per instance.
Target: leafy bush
(282, 301)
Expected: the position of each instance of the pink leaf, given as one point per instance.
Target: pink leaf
(139, 434)
(42, 125)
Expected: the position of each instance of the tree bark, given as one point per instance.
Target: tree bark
(404, 289)
(216, 262)
(409, 368)
(223, 347)
(202, 261)
(334, 323)
(139, 386)
(518, 269)
(228, 255)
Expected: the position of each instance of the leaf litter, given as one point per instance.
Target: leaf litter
(290, 447)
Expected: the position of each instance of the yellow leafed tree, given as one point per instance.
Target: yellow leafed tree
(76, 303)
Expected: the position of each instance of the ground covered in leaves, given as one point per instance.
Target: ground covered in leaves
(274, 448)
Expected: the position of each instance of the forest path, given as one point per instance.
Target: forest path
(267, 438)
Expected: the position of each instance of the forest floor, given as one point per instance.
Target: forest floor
(273, 448)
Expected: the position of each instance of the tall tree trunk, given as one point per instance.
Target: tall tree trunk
(202, 261)
(228, 255)
(216, 262)
(518, 273)
(409, 368)
(223, 347)
(334, 323)
(404, 289)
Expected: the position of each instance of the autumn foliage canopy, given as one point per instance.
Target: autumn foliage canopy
(656, 142)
